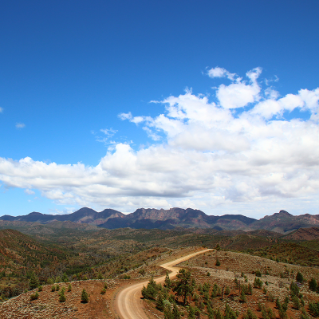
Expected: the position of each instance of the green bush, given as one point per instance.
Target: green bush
(217, 262)
(40, 288)
(249, 315)
(299, 277)
(258, 283)
(84, 296)
(62, 297)
(53, 288)
(313, 284)
(34, 281)
(314, 308)
(103, 291)
(296, 303)
(258, 273)
(294, 289)
(242, 297)
(69, 287)
(34, 296)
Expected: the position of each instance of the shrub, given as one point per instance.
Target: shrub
(62, 297)
(229, 313)
(258, 273)
(294, 289)
(99, 276)
(249, 315)
(53, 288)
(258, 283)
(34, 296)
(227, 291)
(217, 262)
(69, 287)
(313, 284)
(50, 281)
(160, 302)
(299, 277)
(105, 285)
(242, 297)
(40, 288)
(126, 277)
(314, 308)
(103, 291)
(296, 303)
(84, 296)
(57, 287)
(150, 292)
(65, 278)
(34, 281)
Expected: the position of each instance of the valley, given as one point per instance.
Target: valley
(85, 256)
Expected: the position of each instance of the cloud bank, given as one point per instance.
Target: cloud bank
(236, 149)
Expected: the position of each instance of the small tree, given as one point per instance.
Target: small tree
(34, 281)
(184, 287)
(299, 277)
(84, 296)
(62, 297)
(313, 284)
(65, 278)
(242, 297)
(167, 283)
(34, 296)
(69, 287)
(160, 302)
(217, 262)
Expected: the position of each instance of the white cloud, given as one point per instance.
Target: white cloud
(240, 94)
(20, 125)
(218, 72)
(1, 109)
(208, 157)
(29, 191)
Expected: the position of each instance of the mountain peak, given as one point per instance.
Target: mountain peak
(284, 213)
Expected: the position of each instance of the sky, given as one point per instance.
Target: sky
(124, 104)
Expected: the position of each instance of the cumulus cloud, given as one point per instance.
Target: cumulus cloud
(208, 157)
(218, 72)
(20, 125)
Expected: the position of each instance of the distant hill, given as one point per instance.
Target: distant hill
(311, 233)
(83, 215)
(150, 218)
(284, 222)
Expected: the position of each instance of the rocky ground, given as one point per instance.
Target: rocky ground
(49, 306)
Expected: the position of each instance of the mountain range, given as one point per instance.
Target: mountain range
(150, 218)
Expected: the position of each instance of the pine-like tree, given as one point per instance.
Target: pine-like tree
(34, 281)
(184, 286)
(167, 283)
(299, 277)
(84, 296)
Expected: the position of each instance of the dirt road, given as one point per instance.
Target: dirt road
(128, 301)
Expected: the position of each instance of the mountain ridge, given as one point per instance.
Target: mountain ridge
(149, 218)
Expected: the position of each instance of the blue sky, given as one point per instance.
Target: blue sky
(78, 129)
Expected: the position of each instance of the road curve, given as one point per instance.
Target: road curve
(128, 302)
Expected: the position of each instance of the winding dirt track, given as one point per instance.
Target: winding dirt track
(128, 302)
